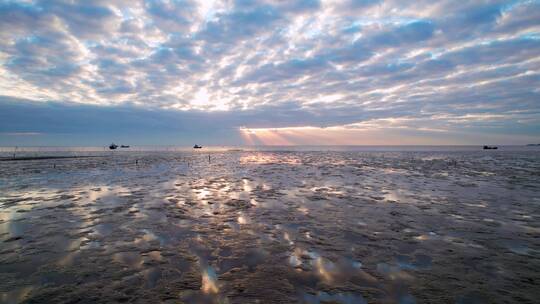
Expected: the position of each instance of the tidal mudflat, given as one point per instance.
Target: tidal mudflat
(272, 227)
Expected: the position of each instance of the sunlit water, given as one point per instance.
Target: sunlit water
(454, 226)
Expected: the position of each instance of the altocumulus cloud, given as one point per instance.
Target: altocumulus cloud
(404, 71)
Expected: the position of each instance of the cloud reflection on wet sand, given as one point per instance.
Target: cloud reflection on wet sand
(341, 227)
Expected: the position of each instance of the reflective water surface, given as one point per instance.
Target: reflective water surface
(271, 226)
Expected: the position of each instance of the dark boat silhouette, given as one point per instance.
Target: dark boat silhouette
(113, 146)
(490, 148)
(124, 146)
(197, 147)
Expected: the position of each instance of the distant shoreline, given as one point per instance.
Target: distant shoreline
(58, 151)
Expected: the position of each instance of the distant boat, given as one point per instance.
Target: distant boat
(533, 145)
(490, 148)
(113, 146)
(197, 147)
(124, 146)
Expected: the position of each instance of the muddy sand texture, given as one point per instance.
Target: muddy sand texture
(272, 227)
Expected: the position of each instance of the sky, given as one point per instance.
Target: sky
(273, 72)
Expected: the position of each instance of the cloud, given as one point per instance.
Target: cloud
(293, 68)
(413, 32)
(496, 52)
(171, 15)
(269, 64)
(239, 23)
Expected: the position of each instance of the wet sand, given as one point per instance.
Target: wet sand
(272, 227)
(40, 158)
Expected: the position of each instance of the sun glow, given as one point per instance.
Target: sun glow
(203, 99)
(371, 132)
(295, 136)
